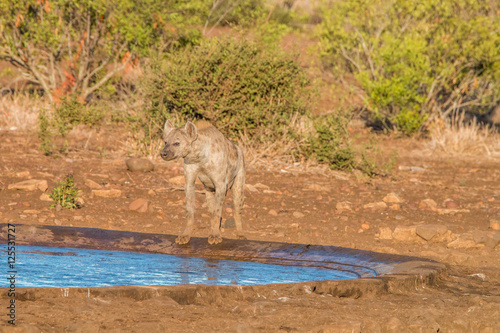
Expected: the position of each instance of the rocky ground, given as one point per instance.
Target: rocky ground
(445, 209)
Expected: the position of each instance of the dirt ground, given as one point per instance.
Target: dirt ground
(431, 206)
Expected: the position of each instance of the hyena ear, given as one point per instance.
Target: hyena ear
(169, 127)
(191, 130)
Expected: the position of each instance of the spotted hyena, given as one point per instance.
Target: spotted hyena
(219, 165)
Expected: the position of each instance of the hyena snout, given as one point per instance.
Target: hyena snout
(167, 154)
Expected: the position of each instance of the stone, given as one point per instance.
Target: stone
(344, 205)
(385, 233)
(251, 188)
(365, 226)
(107, 193)
(405, 233)
(464, 241)
(79, 202)
(392, 198)
(179, 180)
(30, 185)
(489, 238)
(139, 164)
(495, 224)
(431, 231)
(428, 204)
(272, 212)
(451, 204)
(45, 197)
(318, 188)
(139, 205)
(298, 215)
(23, 174)
(152, 193)
(375, 205)
(92, 184)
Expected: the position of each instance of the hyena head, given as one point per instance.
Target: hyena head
(177, 140)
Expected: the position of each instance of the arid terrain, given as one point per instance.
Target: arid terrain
(439, 207)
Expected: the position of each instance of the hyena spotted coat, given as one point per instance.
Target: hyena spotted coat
(217, 162)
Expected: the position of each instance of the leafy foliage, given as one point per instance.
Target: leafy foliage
(66, 193)
(239, 86)
(76, 46)
(415, 59)
(330, 143)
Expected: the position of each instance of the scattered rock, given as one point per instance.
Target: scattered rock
(298, 215)
(365, 226)
(392, 198)
(405, 233)
(23, 174)
(272, 212)
(428, 204)
(107, 193)
(385, 233)
(251, 188)
(411, 168)
(431, 231)
(375, 205)
(446, 211)
(57, 222)
(451, 204)
(262, 186)
(92, 184)
(393, 324)
(489, 238)
(464, 241)
(495, 224)
(178, 180)
(394, 206)
(152, 193)
(318, 187)
(139, 164)
(79, 202)
(139, 205)
(30, 185)
(45, 197)
(344, 205)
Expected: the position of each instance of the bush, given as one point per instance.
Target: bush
(239, 86)
(76, 46)
(68, 114)
(329, 143)
(414, 59)
(65, 194)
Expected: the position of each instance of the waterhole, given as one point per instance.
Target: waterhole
(41, 266)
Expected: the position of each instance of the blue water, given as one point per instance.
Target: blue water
(38, 266)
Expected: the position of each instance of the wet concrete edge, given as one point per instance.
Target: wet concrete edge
(378, 272)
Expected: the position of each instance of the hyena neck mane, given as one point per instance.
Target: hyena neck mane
(203, 124)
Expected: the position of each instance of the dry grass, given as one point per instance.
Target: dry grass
(20, 112)
(457, 136)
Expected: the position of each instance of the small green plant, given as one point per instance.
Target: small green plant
(44, 133)
(66, 194)
(330, 142)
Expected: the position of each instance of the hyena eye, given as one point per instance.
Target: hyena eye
(176, 143)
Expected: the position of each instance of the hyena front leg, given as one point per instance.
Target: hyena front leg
(238, 197)
(189, 187)
(218, 200)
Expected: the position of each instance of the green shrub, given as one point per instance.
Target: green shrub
(239, 86)
(415, 58)
(68, 114)
(329, 143)
(65, 194)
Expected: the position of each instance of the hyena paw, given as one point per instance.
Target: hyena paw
(242, 237)
(214, 239)
(181, 240)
